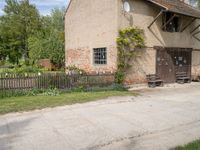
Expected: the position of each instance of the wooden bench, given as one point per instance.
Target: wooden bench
(181, 78)
(154, 81)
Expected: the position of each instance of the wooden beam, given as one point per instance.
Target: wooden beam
(196, 33)
(160, 13)
(168, 21)
(195, 29)
(186, 26)
(196, 38)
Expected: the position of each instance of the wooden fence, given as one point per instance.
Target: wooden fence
(52, 80)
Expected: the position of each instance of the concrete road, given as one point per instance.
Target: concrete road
(157, 120)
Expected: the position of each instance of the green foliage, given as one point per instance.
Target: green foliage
(49, 42)
(27, 69)
(52, 92)
(31, 92)
(22, 70)
(191, 146)
(20, 21)
(119, 76)
(24, 34)
(128, 41)
(17, 93)
(75, 70)
(18, 104)
(113, 87)
(57, 92)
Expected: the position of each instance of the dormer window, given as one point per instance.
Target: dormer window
(171, 22)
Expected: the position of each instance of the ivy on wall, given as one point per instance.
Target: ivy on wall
(128, 41)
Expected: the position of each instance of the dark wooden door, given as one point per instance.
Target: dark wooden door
(170, 61)
(182, 60)
(165, 68)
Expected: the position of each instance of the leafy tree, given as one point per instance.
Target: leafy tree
(20, 22)
(56, 51)
(199, 4)
(24, 34)
(49, 42)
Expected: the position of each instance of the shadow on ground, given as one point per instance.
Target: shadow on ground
(10, 131)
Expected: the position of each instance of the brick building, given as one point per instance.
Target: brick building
(171, 30)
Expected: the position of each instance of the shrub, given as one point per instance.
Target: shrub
(52, 92)
(27, 69)
(128, 41)
(119, 77)
(2, 62)
(21, 70)
(17, 93)
(75, 70)
(113, 87)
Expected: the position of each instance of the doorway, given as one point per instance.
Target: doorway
(170, 61)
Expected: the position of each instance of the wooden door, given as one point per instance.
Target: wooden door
(182, 60)
(165, 67)
(170, 61)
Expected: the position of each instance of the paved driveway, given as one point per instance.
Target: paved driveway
(156, 120)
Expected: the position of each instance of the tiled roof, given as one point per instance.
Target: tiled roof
(178, 7)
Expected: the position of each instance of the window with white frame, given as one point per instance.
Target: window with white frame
(100, 56)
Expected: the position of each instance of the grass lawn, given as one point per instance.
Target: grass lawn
(27, 103)
(191, 146)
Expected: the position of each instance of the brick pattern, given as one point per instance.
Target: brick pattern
(83, 59)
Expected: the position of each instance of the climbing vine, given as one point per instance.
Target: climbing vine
(128, 41)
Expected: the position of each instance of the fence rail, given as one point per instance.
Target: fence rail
(52, 80)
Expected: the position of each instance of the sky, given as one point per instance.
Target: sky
(44, 6)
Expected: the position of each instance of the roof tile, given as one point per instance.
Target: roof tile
(177, 6)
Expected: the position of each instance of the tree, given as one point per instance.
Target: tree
(56, 51)
(49, 42)
(24, 34)
(20, 22)
(199, 4)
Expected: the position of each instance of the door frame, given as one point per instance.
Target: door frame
(159, 48)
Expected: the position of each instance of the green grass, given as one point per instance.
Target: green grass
(191, 146)
(27, 103)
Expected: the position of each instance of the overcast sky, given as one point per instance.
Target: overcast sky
(44, 6)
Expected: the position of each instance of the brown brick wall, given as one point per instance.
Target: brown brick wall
(83, 59)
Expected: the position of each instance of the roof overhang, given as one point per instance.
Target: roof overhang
(177, 7)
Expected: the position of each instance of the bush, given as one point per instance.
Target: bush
(113, 87)
(119, 77)
(17, 93)
(52, 92)
(27, 69)
(21, 70)
(73, 70)
(2, 62)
